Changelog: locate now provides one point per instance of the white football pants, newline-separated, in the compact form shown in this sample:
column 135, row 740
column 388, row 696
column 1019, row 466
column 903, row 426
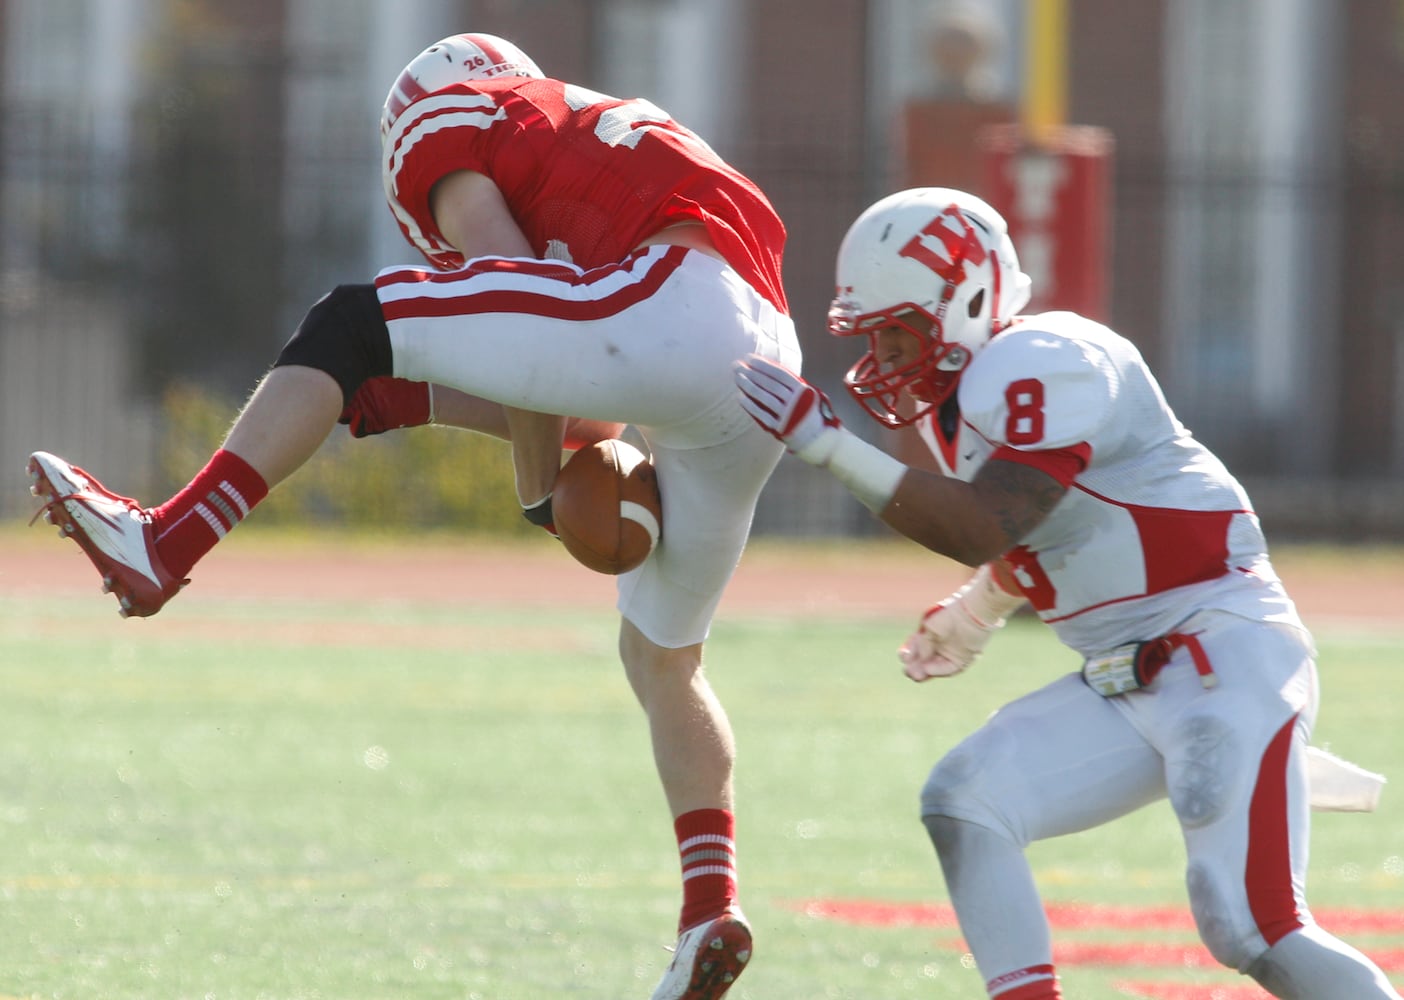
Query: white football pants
column 1231, row 761
column 649, row 342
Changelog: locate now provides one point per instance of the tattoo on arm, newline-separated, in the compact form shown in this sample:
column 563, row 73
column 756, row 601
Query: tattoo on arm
column 1018, row 497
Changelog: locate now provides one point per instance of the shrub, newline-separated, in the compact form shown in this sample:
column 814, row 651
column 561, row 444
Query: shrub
column 433, row 477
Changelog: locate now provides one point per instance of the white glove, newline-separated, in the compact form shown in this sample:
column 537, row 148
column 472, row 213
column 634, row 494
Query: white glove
column 953, row 633
column 802, row 418
column 789, row 408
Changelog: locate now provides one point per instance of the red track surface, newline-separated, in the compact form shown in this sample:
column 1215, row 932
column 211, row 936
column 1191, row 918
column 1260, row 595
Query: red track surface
column 826, row 579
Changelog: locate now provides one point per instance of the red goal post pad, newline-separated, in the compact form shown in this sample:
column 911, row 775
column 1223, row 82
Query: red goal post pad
column 1054, row 188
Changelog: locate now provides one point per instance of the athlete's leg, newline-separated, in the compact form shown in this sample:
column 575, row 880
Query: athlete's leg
column 1056, row 761
column 691, row 737
column 649, row 343
column 709, row 495
column 1236, row 771
column 341, row 342
column 1311, row 964
column 996, row 901
column 143, row 554
column 285, row 421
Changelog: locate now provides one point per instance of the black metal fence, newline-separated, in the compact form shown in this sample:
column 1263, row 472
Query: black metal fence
column 174, row 239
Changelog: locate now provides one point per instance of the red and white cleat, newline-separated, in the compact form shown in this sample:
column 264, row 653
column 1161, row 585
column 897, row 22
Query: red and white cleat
column 707, row 960
column 113, row 530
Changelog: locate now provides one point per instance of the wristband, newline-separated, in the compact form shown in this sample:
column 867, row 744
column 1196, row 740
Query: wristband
column 988, row 602
column 539, row 513
column 871, row 474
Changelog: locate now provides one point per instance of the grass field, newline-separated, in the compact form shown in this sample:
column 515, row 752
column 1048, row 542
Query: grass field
column 296, row 796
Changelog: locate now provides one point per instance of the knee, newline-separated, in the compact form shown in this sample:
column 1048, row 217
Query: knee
column 945, row 833
column 960, row 788
column 656, row 671
column 343, row 334
column 949, row 785
column 1227, row 931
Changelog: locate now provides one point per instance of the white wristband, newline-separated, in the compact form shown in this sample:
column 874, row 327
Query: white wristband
column 871, row 474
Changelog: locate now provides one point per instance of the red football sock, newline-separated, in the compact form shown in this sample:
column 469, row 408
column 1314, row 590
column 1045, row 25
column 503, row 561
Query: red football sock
column 1037, row 982
column 193, row 521
column 708, row 849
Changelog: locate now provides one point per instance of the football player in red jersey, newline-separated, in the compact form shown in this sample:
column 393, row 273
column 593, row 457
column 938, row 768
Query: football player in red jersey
column 593, row 258
column 1067, row 480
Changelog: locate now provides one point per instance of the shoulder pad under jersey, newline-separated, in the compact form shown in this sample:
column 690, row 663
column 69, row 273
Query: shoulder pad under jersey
column 1038, row 385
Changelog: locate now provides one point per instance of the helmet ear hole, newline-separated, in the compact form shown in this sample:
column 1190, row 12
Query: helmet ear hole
column 977, row 303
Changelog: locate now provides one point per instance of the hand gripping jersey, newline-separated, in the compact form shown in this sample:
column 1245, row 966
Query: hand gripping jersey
column 1153, row 527
column 587, row 177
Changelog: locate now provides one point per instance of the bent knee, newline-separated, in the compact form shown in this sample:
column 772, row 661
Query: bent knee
column 951, row 785
column 961, row 787
column 344, row 334
column 1224, row 920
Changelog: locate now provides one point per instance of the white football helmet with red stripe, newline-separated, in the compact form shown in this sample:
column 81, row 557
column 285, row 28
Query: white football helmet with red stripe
column 938, row 264
column 456, row 59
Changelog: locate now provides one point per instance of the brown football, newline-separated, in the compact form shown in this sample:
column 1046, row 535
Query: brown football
column 606, row 506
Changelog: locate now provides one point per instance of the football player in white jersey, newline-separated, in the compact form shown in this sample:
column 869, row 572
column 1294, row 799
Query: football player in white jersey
column 1069, row 483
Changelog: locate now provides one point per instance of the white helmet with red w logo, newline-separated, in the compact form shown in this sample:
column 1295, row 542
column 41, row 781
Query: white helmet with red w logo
column 456, row 59
column 938, row 264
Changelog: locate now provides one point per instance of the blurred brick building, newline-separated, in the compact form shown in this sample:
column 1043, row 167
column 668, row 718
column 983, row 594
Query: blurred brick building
column 179, row 178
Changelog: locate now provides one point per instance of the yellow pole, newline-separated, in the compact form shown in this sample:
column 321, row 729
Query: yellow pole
column 1045, row 104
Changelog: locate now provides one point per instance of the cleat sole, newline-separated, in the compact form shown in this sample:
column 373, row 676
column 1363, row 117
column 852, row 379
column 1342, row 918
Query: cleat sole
column 707, row 969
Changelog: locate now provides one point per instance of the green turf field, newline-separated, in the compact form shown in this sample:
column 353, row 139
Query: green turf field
column 268, row 801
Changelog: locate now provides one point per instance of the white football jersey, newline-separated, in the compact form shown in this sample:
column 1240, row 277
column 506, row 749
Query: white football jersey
column 1152, row 530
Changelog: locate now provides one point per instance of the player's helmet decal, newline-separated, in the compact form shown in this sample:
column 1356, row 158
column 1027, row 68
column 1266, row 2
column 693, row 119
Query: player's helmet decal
column 937, row 264
column 456, row 59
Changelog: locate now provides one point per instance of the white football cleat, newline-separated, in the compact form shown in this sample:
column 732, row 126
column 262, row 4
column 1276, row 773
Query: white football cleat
column 707, row 959
column 114, row 531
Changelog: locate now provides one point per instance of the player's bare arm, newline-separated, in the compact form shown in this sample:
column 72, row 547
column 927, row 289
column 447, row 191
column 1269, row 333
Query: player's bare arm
column 454, row 408
column 473, row 216
column 971, row 522
column 977, row 521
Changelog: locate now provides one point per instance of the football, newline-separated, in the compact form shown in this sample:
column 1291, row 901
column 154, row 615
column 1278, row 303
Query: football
column 606, row 506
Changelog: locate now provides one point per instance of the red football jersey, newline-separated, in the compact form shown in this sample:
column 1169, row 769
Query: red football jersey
column 587, row 177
